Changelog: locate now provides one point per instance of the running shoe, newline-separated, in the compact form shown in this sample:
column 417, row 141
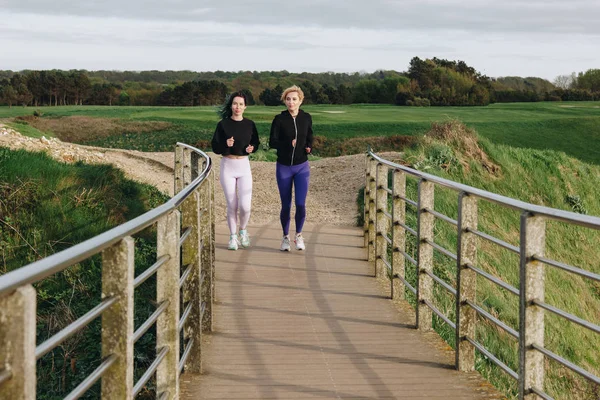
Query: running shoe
column 244, row 238
column 285, row 244
column 299, row 240
column 233, row 242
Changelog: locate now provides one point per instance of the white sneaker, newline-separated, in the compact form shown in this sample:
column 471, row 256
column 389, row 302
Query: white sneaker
column 299, row 240
column 285, row 244
column 244, row 238
column 233, row 242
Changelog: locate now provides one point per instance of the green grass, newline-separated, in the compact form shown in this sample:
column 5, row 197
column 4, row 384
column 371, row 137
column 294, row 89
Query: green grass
column 47, row 206
column 544, row 177
column 571, row 127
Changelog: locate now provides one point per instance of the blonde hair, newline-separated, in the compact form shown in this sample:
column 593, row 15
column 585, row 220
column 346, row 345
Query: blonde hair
column 293, row 88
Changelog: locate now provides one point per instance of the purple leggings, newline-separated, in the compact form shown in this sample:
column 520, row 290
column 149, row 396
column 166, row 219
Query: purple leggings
column 288, row 176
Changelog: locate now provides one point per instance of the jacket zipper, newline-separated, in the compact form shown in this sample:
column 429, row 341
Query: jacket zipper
column 296, row 138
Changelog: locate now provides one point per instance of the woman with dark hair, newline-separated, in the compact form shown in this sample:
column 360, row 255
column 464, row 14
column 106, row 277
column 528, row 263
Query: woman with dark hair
column 292, row 136
column 235, row 138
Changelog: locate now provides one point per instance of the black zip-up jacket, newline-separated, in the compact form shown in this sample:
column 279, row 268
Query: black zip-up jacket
column 243, row 132
column 284, row 129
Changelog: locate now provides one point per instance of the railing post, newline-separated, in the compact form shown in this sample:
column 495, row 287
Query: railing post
column 382, row 221
column 206, row 255
column 531, row 317
column 399, row 234
column 211, row 207
column 372, row 219
column 466, row 317
column 366, row 200
column 425, row 255
column 167, row 289
column 117, row 321
column 17, row 343
column 192, row 293
column 178, row 169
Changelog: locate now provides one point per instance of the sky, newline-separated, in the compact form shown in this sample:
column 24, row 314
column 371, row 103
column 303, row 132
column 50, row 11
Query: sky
column 542, row 38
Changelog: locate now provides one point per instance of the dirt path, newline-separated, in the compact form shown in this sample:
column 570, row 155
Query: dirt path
column 331, row 199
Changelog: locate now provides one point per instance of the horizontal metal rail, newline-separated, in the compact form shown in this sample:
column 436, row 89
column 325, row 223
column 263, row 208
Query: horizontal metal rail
column 187, row 271
column 186, row 353
column 150, row 321
column 139, row 385
column 560, row 215
column 439, row 314
column 492, row 278
column 492, row 239
column 405, row 282
column 492, row 357
column 406, row 228
column 568, row 364
column 92, row 378
column 573, row 318
column 441, row 249
column 185, row 235
column 543, row 395
column 386, row 263
column 163, row 396
column 569, row 268
column 441, row 216
column 202, row 309
column 387, row 214
column 5, row 375
column 57, row 262
column 493, row 319
column 407, row 256
column 387, row 190
column 150, row 271
column 439, row 280
column 387, row 239
column 184, row 317
column 73, row 327
column 408, row 201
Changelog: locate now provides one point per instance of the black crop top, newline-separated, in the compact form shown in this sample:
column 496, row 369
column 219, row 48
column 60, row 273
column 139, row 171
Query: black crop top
column 244, row 133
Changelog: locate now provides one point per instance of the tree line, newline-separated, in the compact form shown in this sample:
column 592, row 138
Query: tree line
column 427, row 82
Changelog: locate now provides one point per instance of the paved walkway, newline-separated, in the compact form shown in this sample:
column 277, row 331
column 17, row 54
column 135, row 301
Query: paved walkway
column 316, row 325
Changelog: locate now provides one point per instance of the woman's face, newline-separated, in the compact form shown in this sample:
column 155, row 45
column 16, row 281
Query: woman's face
column 292, row 102
column 238, row 106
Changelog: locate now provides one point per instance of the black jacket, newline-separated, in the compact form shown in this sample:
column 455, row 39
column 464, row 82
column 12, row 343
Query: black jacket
column 284, row 129
column 243, row 132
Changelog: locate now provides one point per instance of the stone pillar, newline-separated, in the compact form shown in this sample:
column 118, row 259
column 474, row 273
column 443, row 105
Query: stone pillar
column 466, row 317
column 531, row 318
column 167, row 289
column 382, row 221
column 425, row 257
column 372, row 219
column 117, row 321
column 17, row 343
column 399, row 234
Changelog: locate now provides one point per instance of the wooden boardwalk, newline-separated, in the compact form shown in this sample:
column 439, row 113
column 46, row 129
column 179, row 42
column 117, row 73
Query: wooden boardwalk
column 316, row 325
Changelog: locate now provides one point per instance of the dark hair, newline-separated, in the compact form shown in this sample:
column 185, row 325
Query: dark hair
column 224, row 110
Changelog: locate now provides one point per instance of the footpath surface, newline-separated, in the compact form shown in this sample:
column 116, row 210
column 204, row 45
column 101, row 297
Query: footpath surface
column 315, row 324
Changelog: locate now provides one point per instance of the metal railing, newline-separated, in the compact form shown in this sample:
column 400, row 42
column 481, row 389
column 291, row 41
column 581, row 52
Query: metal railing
column 192, row 207
column 386, row 230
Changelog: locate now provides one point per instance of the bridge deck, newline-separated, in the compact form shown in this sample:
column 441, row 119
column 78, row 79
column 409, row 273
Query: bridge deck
column 316, row 324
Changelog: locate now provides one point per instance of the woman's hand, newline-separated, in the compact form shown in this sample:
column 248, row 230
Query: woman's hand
column 249, row 149
column 230, row 142
column 293, row 142
column 308, row 149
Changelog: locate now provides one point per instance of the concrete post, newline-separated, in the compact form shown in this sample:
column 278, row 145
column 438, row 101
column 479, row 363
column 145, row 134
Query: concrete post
column 190, row 210
column 366, row 199
column 17, row 343
column 398, row 234
column 382, row 221
column 117, row 321
column 425, row 256
column 178, row 169
column 167, row 289
column 466, row 317
column 372, row 191
column 531, row 317
column 207, row 265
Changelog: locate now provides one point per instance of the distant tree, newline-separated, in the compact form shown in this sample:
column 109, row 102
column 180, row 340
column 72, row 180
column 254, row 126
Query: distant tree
column 8, row 95
column 563, row 81
column 589, row 80
column 271, row 97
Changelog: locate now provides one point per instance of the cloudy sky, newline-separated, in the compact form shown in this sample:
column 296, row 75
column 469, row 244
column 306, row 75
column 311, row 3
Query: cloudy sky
column 543, row 38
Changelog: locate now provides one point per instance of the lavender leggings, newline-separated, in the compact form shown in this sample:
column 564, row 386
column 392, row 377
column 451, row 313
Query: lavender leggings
column 297, row 176
column 236, row 174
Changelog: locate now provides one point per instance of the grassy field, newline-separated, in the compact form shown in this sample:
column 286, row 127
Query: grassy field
column 571, row 127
